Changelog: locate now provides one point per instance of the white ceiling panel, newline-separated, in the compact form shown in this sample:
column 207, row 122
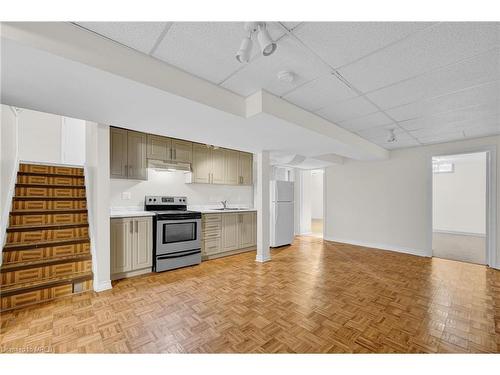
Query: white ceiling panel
column 471, row 72
column 432, row 48
column 262, row 72
column 291, row 25
column 141, row 36
column 455, row 135
column 373, row 120
column 484, row 94
column 380, row 136
column 320, row 93
column 340, row 43
column 475, row 118
column 347, row 109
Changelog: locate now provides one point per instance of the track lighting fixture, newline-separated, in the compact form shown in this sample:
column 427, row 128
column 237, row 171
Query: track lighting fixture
column 392, row 137
column 266, row 44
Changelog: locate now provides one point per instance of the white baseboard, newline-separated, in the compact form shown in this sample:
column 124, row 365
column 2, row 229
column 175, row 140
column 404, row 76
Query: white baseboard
column 398, row 249
column 102, row 286
column 262, row 259
column 457, row 233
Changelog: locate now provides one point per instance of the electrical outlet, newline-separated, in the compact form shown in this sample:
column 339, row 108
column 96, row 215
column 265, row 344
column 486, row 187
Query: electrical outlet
column 126, row 196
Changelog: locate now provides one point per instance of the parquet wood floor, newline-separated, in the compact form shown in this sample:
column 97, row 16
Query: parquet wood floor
column 313, row 297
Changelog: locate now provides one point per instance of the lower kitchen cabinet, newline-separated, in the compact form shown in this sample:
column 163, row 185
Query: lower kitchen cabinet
column 131, row 246
column 228, row 233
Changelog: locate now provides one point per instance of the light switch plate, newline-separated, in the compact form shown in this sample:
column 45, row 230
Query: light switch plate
column 126, row 195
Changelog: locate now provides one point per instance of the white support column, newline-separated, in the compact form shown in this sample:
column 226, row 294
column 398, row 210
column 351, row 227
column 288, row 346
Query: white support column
column 263, row 206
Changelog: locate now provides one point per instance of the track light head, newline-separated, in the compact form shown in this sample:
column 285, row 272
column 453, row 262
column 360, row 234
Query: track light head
column 243, row 54
column 391, row 137
column 267, row 45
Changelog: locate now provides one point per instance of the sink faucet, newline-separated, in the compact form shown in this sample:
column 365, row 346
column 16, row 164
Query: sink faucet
column 224, row 204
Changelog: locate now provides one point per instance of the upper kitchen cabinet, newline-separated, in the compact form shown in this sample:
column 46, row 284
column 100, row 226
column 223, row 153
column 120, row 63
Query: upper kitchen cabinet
column 158, row 148
column 127, row 154
column 245, row 167
column 218, row 162
column 231, row 167
column 182, row 151
column 202, row 164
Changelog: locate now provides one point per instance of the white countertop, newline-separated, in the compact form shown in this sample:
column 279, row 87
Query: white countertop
column 214, row 211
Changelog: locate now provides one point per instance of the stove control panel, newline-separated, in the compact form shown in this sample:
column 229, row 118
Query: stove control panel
column 165, row 201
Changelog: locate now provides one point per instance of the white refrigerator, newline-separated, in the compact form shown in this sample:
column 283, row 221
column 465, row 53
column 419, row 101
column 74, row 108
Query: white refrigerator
column 282, row 228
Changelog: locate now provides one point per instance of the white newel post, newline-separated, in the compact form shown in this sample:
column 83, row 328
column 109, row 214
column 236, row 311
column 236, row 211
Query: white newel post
column 263, row 207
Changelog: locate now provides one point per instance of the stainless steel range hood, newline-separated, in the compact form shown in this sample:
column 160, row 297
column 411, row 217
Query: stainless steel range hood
column 170, row 166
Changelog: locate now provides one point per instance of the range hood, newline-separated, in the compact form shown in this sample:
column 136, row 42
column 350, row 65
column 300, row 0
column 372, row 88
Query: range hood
column 171, row 166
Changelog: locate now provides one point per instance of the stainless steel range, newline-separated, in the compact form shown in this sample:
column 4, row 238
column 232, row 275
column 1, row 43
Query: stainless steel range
column 176, row 233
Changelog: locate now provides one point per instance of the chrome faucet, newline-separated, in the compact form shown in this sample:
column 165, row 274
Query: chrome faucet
column 224, row 204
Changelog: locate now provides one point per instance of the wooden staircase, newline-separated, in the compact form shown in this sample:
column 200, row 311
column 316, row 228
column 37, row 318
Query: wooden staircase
column 47, row 251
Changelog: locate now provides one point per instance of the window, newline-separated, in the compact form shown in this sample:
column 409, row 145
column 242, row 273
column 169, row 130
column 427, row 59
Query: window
column 442, row 167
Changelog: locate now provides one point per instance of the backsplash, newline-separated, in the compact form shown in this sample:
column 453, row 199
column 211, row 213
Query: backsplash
column 173, row 183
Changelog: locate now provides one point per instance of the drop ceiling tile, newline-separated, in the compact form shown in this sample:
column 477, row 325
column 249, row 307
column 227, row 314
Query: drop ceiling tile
column 432, row 48
column 262, row 72
column 470, row 118
column 340, row 43
column 320, row 93
column 291, row 25
column 206, row 49
column 371, row 121
column 347, row 109
column 141, row 36
column 478, row 70
column 477, row 95
column 380, row 136
column 451, row 136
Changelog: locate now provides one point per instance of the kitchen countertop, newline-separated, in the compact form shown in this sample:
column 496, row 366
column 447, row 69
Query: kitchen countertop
column 214, row 211
column 117, row 212
column 127, row 212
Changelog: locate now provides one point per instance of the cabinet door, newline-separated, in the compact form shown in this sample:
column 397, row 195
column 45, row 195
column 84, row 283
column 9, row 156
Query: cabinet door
column 158, row 148
column 202, row 164
column 245, row 168
column 137, row 164
column 121, row 245
column 182, row 151
column 246, row 222
column 218, row 156
column 211, row 246
column 142, row 252
column 229, row 232
column 118, row 153
column 231, row 176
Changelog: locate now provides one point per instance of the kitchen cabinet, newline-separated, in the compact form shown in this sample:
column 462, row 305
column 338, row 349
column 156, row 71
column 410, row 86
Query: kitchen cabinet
column 182, row 151
column 230, row 231
column 245, row 167
column 131, row 246
column 231, row 167
column 218, row 163
column 202, row 164
column 227, row 233
column 158, row 148
column 127, row 154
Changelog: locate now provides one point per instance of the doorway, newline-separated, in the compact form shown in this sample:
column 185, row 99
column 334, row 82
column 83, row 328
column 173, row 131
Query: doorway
column 311, row 202
column 460, row 207
column 317, row 223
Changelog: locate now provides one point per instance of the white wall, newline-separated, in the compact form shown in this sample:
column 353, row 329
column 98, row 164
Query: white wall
column 49, row 138
column 8, row 164
column 317, row 194
column 459, row 198
column 173, row 183
column 305, row 202
column 387, row 203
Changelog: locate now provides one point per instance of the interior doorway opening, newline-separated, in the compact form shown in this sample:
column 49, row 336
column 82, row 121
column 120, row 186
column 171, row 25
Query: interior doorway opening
column 317, row 214
column 460, row 207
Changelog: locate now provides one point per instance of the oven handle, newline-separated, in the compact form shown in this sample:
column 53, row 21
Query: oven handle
column 179, row 221
column 178, row 255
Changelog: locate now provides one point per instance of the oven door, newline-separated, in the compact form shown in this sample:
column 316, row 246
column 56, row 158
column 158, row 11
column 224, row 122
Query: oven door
column 173, row 236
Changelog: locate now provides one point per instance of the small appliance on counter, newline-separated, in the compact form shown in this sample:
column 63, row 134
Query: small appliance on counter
column 176, row 233
column 282, row 228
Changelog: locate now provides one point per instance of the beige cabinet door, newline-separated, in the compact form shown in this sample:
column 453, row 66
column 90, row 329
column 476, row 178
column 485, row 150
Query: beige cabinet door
column 218, row 163
column 158, row 148
column 230, row 232
column 231, row 162
column 142, row 251
column 121, row 245
column 118, row 153
column 245, row 168
column 182, row 151
column 202, row 164
column 137, row 164
column 246, row 235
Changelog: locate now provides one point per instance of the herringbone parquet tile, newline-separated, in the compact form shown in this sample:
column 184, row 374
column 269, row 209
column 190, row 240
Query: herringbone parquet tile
column 313, row 297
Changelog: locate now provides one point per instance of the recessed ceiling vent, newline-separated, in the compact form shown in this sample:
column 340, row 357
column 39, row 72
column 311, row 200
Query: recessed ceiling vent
column 286, row 76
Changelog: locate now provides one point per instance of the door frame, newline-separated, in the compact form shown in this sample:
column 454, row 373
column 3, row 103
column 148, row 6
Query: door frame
column 491, row 198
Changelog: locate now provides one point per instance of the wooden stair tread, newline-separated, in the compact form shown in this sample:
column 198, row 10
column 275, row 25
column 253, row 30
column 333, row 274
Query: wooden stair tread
column 41, row 174
column 39, row 198
column 40, row 244
column 51, row 186
column 15, row 266
column 18, row 288
column 25, row 228
column 49, row 211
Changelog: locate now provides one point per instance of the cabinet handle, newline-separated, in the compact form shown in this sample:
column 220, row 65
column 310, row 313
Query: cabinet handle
column 130, row 170
column 132, row 226
column 175, row 154
column 136, row 226
column 171, row 154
